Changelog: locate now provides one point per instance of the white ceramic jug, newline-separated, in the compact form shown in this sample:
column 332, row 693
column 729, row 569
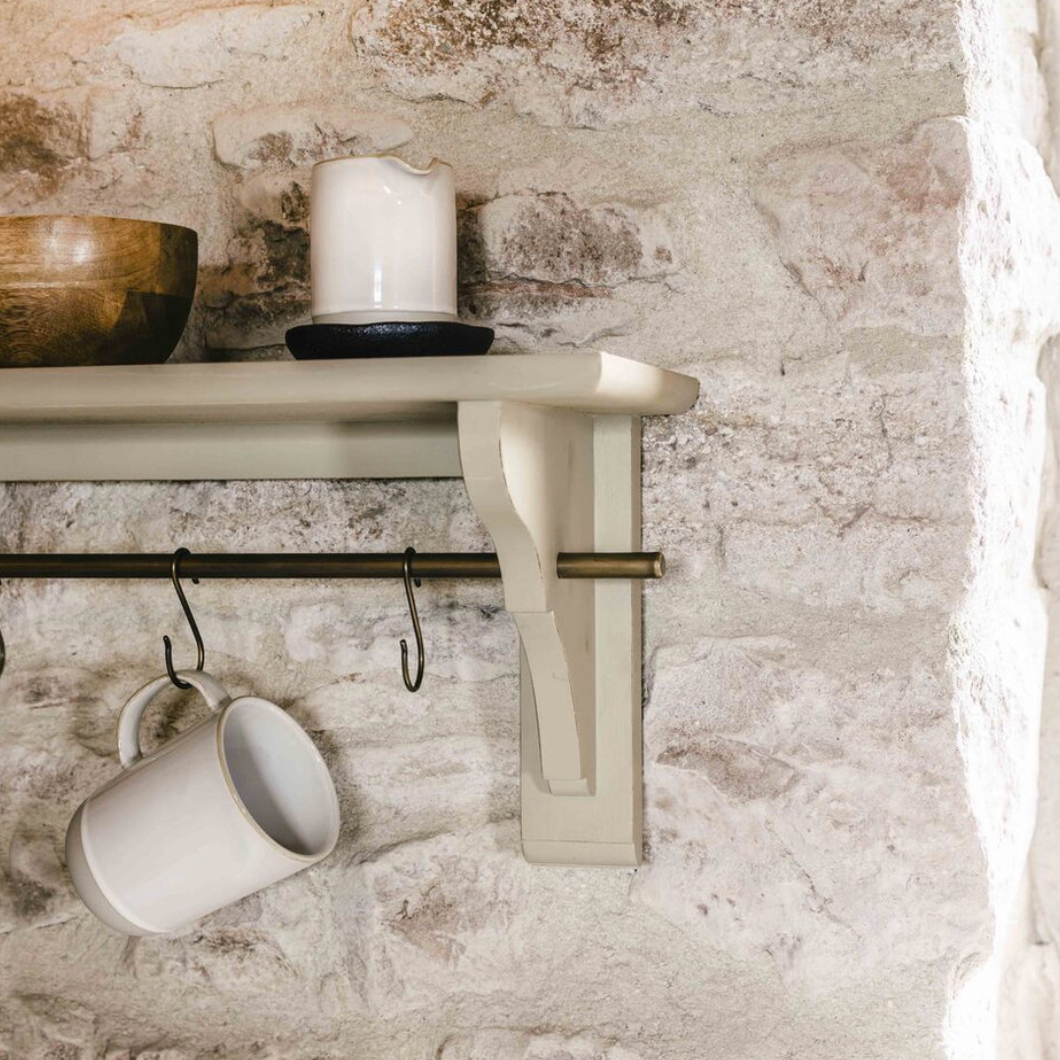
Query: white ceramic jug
column 240, row 801
column 382, row 241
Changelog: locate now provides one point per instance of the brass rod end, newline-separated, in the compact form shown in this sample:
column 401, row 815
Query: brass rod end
column 631, row 565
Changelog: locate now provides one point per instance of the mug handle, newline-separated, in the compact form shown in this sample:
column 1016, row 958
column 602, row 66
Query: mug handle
column 129, row 752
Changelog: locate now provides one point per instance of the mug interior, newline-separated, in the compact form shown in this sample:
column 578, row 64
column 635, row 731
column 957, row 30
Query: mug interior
column 280, row 778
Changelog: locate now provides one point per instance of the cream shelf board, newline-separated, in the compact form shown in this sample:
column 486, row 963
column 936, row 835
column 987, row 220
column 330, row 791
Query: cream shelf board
column 427, row 388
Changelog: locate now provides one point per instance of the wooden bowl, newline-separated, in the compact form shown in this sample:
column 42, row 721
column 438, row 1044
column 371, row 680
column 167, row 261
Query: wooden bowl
column 93, row 290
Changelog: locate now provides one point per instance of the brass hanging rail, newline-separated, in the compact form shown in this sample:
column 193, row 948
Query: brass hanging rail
column 632, row 565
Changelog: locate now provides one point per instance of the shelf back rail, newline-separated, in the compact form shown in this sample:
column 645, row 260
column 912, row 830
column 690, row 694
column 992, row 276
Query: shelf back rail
column 322, row 565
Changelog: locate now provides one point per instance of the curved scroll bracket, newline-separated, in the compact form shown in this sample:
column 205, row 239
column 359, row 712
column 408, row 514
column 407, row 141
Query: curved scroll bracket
column 545, row 481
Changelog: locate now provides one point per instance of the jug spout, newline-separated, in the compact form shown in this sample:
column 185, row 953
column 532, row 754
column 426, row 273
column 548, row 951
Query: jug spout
column 435, row 166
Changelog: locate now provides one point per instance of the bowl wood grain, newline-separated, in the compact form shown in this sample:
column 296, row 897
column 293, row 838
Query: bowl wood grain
column 93, row 290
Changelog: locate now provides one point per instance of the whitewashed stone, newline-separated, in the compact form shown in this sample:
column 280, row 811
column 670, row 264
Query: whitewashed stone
column 236, row 961
column 764, row 770
column 530, row 1045
column 1000, row 655
column 303, row 135
column 1029, row 1011
column 871, row 231
column 204, row 47
column 594, row 66
column 281, row 198
column 422, row 789
column 49, row 1029
column 148, row 1054
column 34, row 881
column 39, row 135
column 871, row 565
column 549, row 238
column 111, row 124
column 840, row 666
column 546, row 263
column 1010, row 256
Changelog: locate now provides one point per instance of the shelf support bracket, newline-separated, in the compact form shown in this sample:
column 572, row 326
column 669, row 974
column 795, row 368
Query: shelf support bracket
column 544, row 481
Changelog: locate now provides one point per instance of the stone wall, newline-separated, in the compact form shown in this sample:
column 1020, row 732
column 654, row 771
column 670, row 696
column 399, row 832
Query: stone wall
column 836, row 215
column 1031, row 998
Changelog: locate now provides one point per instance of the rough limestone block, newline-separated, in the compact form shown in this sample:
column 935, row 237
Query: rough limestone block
column 39, row 136
column 530, row 1045
column 50, row 1029
column 277, row 196
column 549, row 238
column 1010, row 254
column 426, row 911
column 236, row 961
column 34, row 888
column 148, row 1054
column 594, row 65
column 549, row 263
column 764, row 781
column 1009, row 257
column 1030, row 1009
column 400, row 793
column 262, row 289
column 204, row 47
column 300, row 136
column 870, row 230
column 112, row 125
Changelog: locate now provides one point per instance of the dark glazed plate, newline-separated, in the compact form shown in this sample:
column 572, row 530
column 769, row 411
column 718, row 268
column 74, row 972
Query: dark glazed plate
column 432, row 338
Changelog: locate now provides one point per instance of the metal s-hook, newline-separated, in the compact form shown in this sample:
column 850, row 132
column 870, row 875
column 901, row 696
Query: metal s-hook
column 175, row 575
column 412, row 686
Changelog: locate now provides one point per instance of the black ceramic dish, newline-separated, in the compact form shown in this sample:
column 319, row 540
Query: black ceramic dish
column 429, row 338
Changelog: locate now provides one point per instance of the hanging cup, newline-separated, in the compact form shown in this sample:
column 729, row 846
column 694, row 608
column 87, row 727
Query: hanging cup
column 240, row 801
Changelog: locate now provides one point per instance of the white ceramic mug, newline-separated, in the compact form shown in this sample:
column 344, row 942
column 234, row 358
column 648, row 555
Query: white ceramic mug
column 382, row 241
column 239, row 801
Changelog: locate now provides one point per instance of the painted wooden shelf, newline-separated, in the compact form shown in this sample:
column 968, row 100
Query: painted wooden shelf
column 549, row 450
column 395, row 388
column 391, row 418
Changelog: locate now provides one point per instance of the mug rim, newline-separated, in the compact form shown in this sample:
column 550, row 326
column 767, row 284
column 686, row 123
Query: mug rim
column 301, row 735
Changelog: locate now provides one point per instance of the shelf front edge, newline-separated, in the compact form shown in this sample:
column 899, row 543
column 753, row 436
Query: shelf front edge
column 338, row 391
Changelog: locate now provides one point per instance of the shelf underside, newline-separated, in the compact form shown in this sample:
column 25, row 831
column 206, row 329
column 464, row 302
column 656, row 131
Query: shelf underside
column 192, row 452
